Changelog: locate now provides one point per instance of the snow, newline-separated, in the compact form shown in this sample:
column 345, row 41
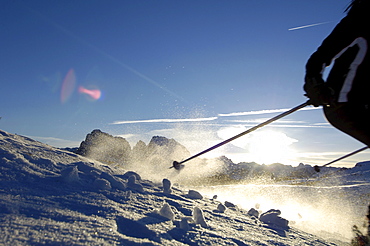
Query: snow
column 50, row 196
column 272, row 217
column 167, row 186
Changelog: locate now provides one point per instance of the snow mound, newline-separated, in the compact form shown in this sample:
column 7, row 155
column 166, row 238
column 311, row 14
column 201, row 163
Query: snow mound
column 50, row 196
column 272, row 217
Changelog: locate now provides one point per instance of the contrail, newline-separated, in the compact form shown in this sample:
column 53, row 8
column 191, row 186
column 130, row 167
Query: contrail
column 311, row 25
column 163, row 120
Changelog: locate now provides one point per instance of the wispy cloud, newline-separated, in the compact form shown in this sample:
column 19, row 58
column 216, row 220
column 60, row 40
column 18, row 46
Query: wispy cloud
column 310, row 25
column 126, row 135
column 163, row 120
column 56, row 142
column 300, row 126
column 324, row 157
column 256, row 112
column 282, row 123
column 259, row 112
column 260, row 120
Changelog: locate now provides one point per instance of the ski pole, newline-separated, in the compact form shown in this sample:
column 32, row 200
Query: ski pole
column 178, row 166
column 317, row 168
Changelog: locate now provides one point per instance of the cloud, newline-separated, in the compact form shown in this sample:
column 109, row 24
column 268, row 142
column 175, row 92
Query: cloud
column 56, row 142
column 265, row 111
column 282, row 124
column 256, row 112
column 260, row 120
column 163, row 120
column 323, row 157
column 127, row 135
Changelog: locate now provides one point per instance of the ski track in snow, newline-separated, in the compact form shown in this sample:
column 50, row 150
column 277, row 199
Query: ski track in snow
column 53, row 197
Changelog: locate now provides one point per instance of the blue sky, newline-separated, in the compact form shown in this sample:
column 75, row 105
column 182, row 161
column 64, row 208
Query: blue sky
column 172, row 68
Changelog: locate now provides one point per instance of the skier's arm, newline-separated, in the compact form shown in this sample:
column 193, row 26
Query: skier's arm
column 354, row 25
column 341, row 37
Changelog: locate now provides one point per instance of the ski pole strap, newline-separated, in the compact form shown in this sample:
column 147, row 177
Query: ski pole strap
column 246, row 132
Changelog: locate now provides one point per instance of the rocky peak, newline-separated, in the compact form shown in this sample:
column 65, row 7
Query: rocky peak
column 105, row 147
column 166, row 148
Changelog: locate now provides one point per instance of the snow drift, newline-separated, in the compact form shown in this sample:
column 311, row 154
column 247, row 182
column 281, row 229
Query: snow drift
column 51, row 196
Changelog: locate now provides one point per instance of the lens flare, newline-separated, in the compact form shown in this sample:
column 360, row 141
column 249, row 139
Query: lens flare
column 94, row 94
column 68, row 86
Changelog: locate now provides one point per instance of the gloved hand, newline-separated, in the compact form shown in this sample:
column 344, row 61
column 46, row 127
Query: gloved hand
column 318, row 92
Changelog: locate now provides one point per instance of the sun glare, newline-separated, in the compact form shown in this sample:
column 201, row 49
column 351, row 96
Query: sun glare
column 263, row 147
column 269, row 147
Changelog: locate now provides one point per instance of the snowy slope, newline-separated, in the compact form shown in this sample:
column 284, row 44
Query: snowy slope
column 53, row 197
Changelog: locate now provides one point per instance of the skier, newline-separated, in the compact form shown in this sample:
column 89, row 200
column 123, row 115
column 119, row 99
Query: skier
column 345, row 95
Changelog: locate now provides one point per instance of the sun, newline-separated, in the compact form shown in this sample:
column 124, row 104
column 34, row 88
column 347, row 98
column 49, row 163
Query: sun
column 267, row 147
column 263, row 146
